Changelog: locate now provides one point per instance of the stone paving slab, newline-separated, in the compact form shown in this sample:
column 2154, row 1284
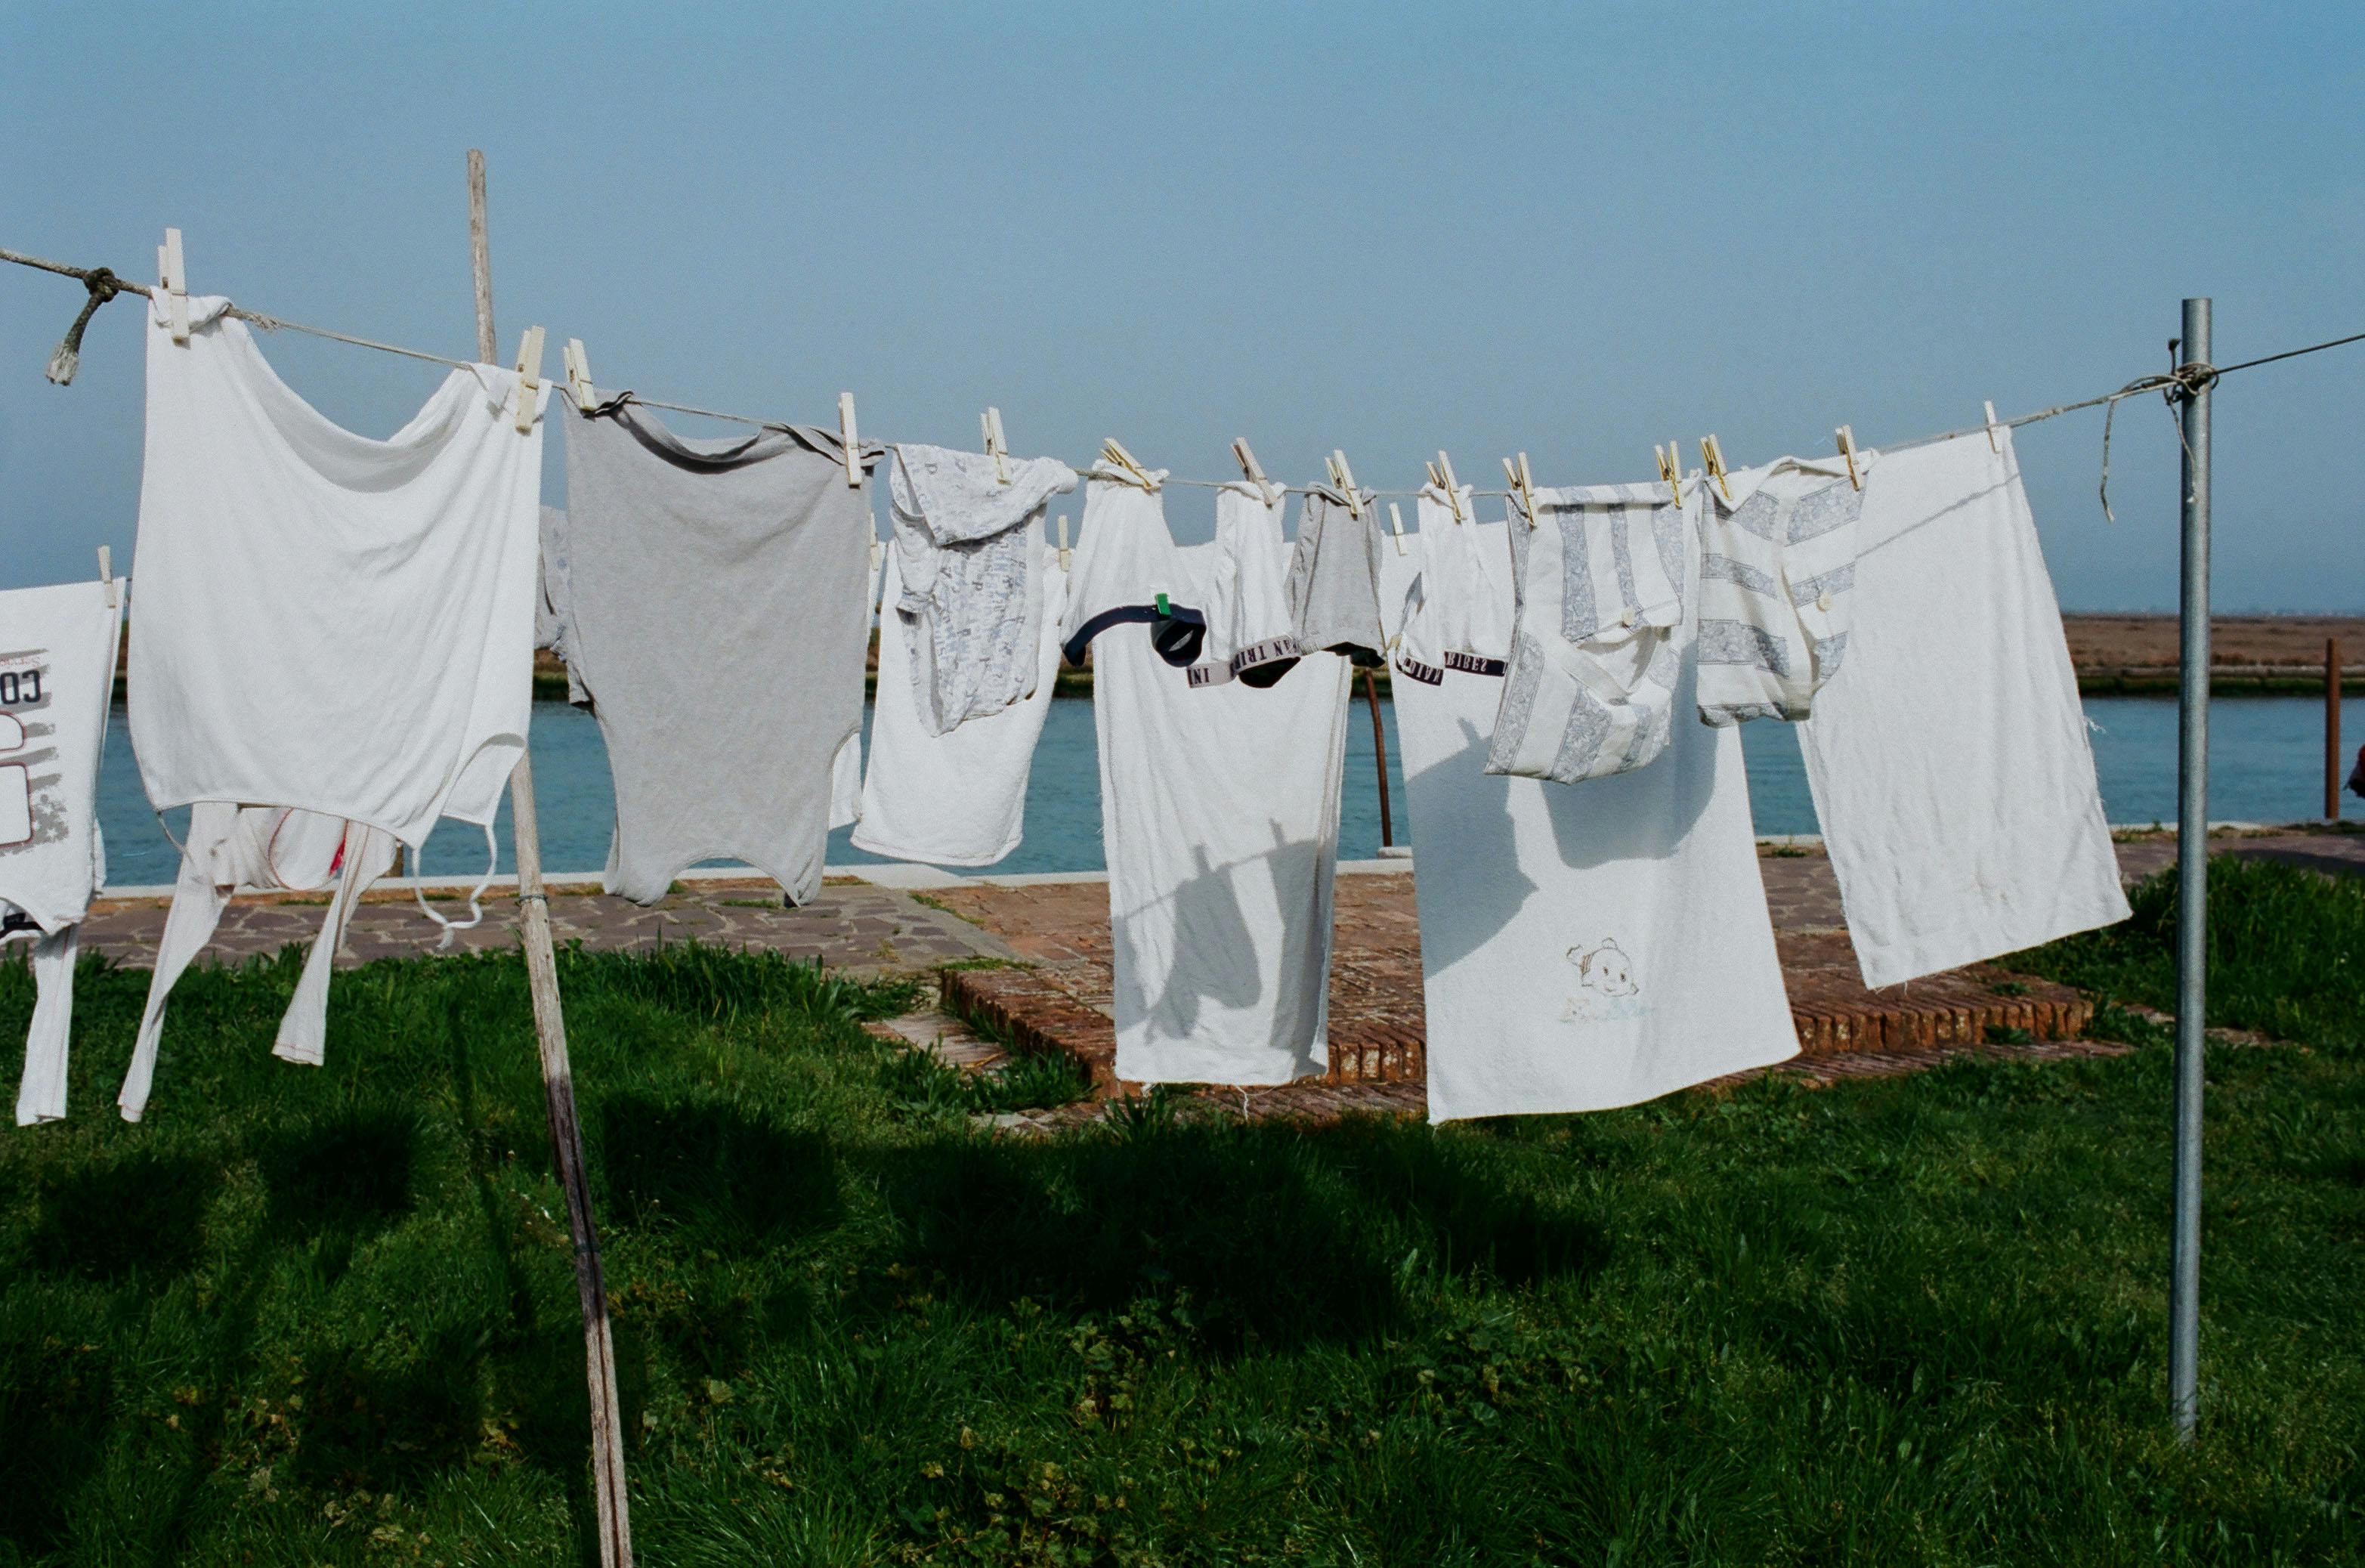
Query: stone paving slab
column 852, row 927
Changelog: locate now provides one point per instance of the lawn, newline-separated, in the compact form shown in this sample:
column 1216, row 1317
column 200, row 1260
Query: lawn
column 327, row 1315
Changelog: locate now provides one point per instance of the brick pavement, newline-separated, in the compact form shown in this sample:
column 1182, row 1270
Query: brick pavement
column 1377, row 1030
column 849, row 925
column 1058, row 931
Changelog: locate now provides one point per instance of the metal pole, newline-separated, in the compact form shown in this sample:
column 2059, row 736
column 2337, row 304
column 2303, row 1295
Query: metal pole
column 2332, row 729
column 1380, row 754
column 2192, row 892
column 550, row 1037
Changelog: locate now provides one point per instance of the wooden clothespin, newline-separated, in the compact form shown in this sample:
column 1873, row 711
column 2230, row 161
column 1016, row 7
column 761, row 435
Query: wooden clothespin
column 106, row 573
column 1346, row 483
column 1846, row 435
column 1450, row 485
column 1065, row 555
column 1254, row 470
column 1396, row 526
column 529, row 366
column 989, row 422
column 1523, row 484
column 1112, row 451
column 1992, row 426
column 577, row 365
column 172, row 276
column 851, row 441
column 1712, row 453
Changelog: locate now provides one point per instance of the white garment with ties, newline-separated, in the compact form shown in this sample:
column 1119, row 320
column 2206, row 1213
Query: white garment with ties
column 1590, row 687
column 971, row 602
column 58, row 648
column 1950, row 768
column 958, row 799
column 1219, row 809
column 327, row 623
column 252, row 849
column 1778, row 577
column 1587, row 948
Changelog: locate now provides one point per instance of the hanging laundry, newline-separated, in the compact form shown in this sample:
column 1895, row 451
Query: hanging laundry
column 1251, row 635
column 1131, row 573
column 958, row 799
column 1950, row 769
column 1776, row 580
column 325, row 622
column 1334, row 577
column 1219, row 811
column 1590, row 687
column 971, row 602
column 57, row 649
column 1580, row 949
column 231, row 850
column 846, row 768
column 1469, row 627
column 717, row 625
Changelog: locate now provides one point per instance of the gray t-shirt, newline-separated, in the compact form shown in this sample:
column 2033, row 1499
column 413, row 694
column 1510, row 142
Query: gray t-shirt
column 715, row 623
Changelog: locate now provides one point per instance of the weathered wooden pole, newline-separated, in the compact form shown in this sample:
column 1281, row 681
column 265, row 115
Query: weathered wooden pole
column 2331, row 728
column 550, row 1033
column 1380, row 754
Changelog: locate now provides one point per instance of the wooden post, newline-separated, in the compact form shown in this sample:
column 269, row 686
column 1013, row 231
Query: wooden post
column 1380, row 752
column 2332, row 729
column 550, row 1033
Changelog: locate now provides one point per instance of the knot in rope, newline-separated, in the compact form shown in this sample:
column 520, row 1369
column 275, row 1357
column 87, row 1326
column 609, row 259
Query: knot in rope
column 103, row 286
column 2189, row 380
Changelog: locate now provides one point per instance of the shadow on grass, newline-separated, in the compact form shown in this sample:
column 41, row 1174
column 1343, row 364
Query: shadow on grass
column 737, row 1182
column 1456, row 1197
column 143, row 1212
column 339, row 1179
column 1279, row 1238
column 53, row 1433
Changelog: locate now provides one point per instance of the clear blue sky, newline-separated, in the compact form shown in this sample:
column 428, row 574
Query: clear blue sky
column 1571, row 229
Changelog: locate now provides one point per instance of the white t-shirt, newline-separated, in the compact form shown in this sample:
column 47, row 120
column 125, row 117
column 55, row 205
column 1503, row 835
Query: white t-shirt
column 958, row 799
column 327, row 621
column 1948, row 756
column 57, row 678
column 1219, row 809
column 1581, row 947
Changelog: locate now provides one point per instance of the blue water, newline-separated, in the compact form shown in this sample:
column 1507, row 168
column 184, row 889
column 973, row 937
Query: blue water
column 2266, row 759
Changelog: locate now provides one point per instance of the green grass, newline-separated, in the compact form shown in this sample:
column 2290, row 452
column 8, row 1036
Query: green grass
column 921, row 1085
column 2286, row 952
column 327, row 1315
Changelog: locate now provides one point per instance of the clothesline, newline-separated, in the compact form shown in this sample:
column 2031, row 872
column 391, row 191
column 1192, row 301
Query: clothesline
column 2185, row 380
